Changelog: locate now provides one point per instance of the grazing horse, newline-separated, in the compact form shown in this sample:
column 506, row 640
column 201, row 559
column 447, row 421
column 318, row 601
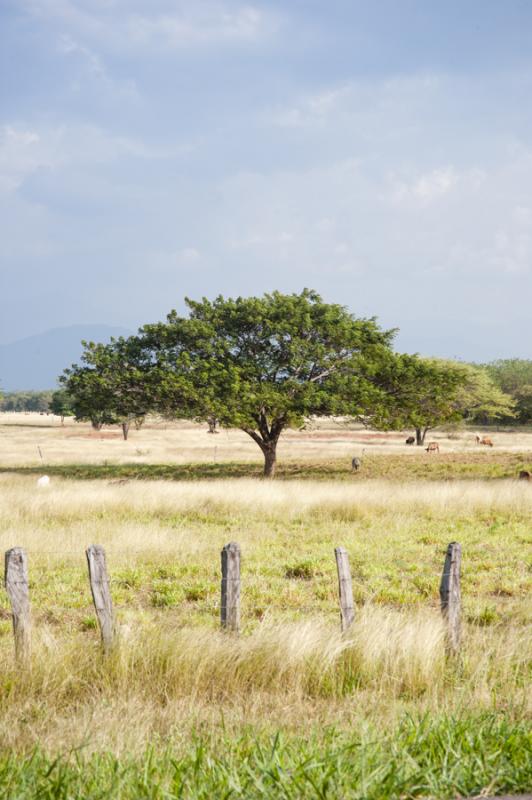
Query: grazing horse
column 433, row 447
column 410, row 440
column 525, row 475
column 487, row 441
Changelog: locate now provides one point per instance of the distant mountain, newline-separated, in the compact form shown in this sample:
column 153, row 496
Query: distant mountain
column 36, row 362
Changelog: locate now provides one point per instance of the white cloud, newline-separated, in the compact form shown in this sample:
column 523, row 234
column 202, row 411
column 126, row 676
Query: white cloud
column 310, row 110
column 196, row 25
column 95, row 69
column 512, row 252
column 189, row 255
column 23, row 151
column 121, row 24
column 428, row 187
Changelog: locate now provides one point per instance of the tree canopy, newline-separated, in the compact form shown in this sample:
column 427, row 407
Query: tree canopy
column 108, row 387
column 426, row 393
column 264, row 364
column 61, row 404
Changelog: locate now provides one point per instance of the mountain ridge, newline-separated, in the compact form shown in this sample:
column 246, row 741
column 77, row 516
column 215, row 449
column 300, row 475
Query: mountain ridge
column 35, row 362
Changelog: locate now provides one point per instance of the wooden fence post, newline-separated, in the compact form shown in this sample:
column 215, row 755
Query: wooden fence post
column 230, row 606
column 101, row 594
column 450, row 595
column 345, row 588
column 17, row 588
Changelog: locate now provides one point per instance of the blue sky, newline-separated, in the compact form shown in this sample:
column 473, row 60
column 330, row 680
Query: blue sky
column 380, row 152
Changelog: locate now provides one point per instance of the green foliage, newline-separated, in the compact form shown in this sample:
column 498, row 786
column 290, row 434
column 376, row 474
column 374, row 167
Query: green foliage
column 61, row 404
column 423, row 395
column 479, row 399
column 107, row 388
column 514, row 376
column 429, row 393
column 264, row 364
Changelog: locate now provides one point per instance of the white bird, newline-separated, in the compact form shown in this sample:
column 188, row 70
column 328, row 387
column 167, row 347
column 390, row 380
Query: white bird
column 44, row 480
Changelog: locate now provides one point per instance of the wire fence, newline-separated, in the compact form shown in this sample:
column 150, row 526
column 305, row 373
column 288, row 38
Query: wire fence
column 230, row 605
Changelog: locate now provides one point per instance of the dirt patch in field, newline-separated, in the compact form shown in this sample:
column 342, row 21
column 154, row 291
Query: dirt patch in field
column 95, row 435
column 334, row 436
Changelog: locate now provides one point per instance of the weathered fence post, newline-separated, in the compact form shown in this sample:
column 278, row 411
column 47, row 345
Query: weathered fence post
column 345, row 588
column 450, row 595
column 230, row 606
column 101, row 594
column 17, row 588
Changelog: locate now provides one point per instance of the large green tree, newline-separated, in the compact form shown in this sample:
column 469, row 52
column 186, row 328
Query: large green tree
column 263, row 364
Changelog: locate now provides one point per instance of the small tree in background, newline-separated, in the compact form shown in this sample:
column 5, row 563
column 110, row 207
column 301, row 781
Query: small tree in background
column 427, row 393
column 422, row 394
column 61, row 405
column 514, row 377
column 107, row 388
column 479, row 399
column 265, row 364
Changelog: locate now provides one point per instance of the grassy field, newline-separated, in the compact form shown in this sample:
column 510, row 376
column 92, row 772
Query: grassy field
column 291, row 708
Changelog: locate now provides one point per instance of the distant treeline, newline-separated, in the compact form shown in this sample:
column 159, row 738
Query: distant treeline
column 513, row 376
column 26, row 401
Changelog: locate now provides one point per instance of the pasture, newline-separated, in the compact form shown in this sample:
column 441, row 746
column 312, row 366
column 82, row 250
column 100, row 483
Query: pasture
column 290, row 708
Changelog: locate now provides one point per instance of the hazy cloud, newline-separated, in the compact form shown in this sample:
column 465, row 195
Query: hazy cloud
column 160, row 24
column 153, row 150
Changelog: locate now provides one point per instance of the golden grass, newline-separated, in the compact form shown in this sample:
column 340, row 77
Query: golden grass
column 175, row 673
column 163, row 541
column 21, row 497
column 161, row 681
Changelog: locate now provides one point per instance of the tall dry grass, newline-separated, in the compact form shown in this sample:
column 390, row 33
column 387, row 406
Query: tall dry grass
column 21, row 500
column 175, row 671
column 160, row 681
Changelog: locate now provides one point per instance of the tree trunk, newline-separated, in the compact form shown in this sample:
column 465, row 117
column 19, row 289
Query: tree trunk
column 270, row 459
column 267, row 437
column 125, row 430
column 96, row 424
column 420, row 436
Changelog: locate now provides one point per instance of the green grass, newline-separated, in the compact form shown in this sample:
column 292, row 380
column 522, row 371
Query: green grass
column 290, row 709
column 443, row 466
column 438, row 757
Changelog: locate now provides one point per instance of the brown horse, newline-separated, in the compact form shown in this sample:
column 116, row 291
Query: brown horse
column 433, row 447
